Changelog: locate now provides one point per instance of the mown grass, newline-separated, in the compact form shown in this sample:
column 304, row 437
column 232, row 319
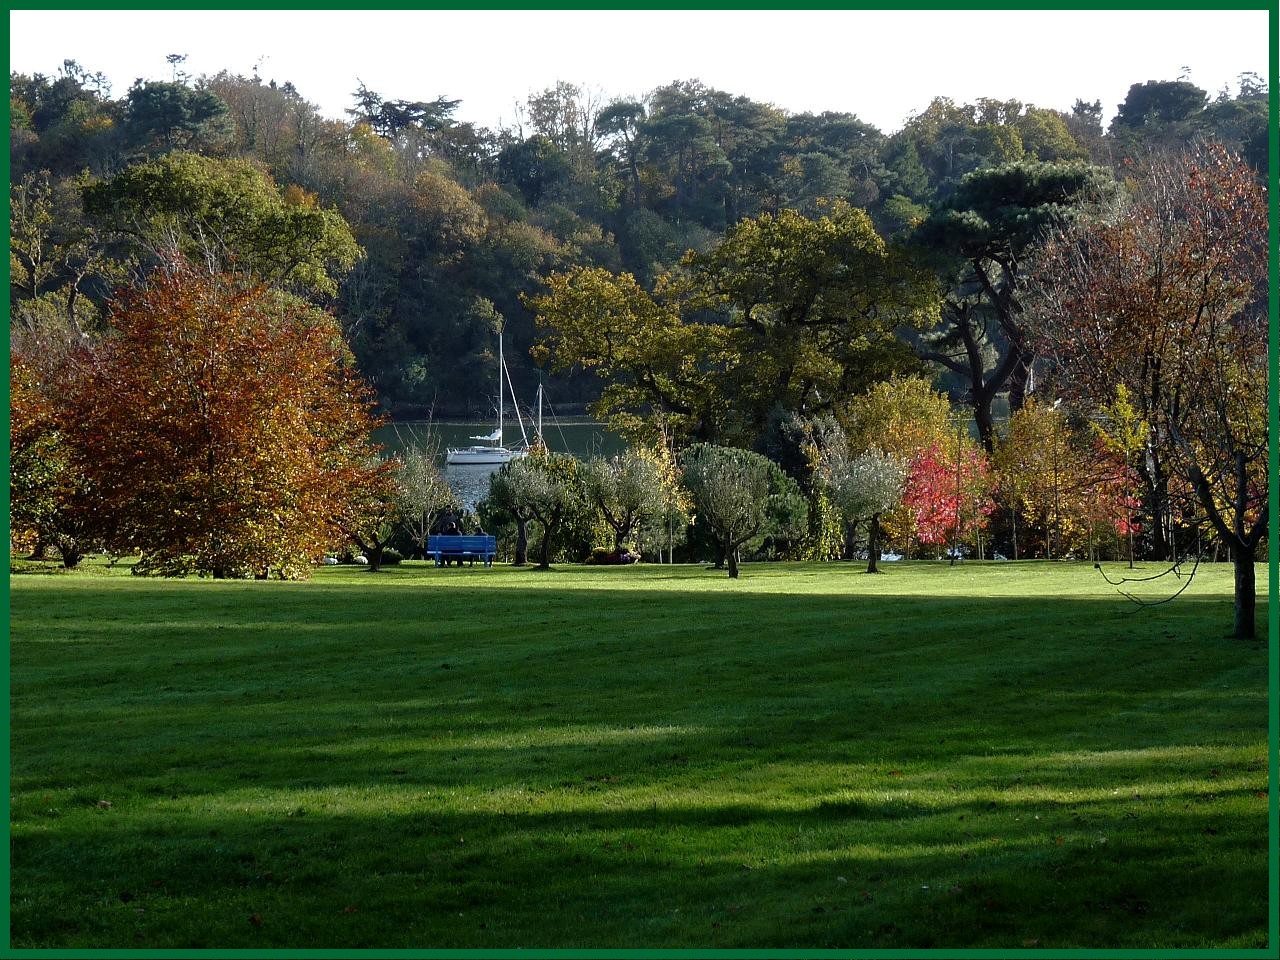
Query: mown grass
column 988, row 755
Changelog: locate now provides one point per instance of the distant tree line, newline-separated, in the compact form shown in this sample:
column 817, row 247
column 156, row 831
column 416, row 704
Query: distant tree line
column 795, row 315
column 445, row 217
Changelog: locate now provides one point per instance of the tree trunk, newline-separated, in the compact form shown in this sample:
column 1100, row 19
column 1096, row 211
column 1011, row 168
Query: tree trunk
column 522, row 542
column 1018, row 381
column 849, row 531
column 731, row 554
column 372, row 551
column 1246, row 593
column 71, row 554
column 544, row 548
column 1242, row 540
column 635, row 174
column 985, row 420
column 873, row 545
column 1153, row 476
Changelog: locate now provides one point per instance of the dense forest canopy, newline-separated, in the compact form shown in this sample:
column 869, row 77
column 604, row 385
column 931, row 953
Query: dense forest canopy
column 420, row 231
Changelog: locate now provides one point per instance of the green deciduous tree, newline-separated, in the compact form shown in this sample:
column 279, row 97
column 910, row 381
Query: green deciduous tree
column 785, row 309
column 423, row 491
column 652, row 361
column 227, row 215
column 56, row 260
column 742, row 496
column 50, row 502
column 814, row 303
column 543, row 486
column 863, row 487
column 628, row 489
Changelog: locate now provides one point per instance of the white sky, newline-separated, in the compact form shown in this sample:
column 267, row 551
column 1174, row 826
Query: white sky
column 882, row 66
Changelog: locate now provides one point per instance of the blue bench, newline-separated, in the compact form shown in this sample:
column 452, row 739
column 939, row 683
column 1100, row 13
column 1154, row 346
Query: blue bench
column 452, row 547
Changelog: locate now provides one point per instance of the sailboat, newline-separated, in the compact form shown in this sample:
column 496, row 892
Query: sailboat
column 493, row 452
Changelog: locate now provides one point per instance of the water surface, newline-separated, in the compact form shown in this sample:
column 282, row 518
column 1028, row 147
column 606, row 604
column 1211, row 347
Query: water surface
column 580, row 437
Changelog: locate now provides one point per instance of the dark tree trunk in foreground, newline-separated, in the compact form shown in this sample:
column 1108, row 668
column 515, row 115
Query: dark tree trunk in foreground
column 731, row 554
column 873, row 545
column 1242, row 539
column 550, row 525
column 1155, row 478
column 1246, row 595
column 1012, row 370
column 372, row 549
column 522, row 542
column 71, row 554
column 1019, row 380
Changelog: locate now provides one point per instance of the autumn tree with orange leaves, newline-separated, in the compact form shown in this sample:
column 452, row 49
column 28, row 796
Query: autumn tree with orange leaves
column 221, row 428
column 1167, row 296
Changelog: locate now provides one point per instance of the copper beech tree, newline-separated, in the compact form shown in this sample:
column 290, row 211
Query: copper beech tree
column 1168, row 298
column 221, row 428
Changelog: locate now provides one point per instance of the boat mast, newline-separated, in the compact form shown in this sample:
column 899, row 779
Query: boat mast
column 515, row 404
column 500, row 366
column 540, row 440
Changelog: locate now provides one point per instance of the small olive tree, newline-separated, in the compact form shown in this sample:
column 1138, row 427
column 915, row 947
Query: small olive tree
column 742, row 495
column 423, row 492
column 507, row 494
column 863, row 487
column 628, row 489
column 546, row 487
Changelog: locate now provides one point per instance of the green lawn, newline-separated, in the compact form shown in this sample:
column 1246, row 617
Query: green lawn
column 997, row 755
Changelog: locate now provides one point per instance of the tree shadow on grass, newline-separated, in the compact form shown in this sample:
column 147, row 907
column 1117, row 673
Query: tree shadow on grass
column 880, row 875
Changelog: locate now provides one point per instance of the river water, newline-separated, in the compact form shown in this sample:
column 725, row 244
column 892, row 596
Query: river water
column 582, row 438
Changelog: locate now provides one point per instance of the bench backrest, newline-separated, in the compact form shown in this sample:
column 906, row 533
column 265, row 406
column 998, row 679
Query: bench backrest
column 475, row 543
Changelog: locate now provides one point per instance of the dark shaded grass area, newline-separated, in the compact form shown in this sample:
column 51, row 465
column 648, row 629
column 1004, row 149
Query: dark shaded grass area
column 587, row 759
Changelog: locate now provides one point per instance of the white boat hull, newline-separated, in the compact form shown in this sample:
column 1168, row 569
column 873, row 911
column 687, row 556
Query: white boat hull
column 483, row 455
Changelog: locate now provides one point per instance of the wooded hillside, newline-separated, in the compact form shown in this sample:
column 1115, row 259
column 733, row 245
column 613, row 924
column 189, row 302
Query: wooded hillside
column 418, row 228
